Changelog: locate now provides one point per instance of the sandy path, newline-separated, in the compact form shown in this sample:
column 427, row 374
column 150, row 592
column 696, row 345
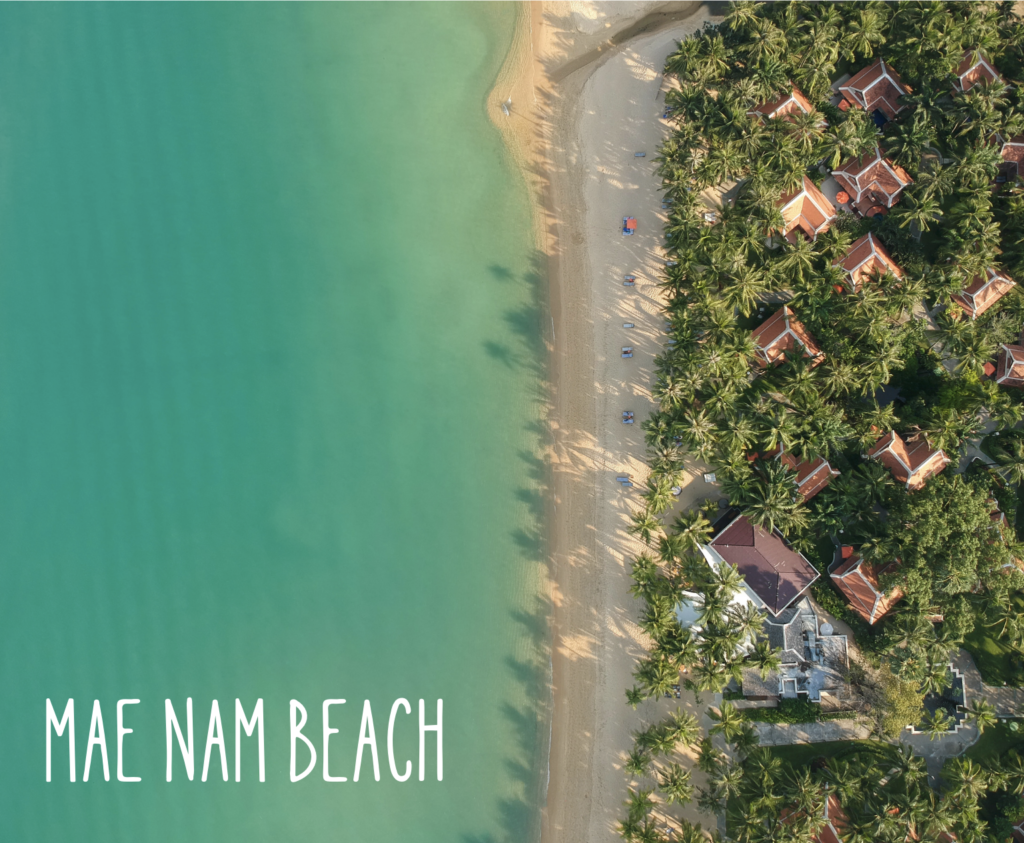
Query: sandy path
column 596, row 116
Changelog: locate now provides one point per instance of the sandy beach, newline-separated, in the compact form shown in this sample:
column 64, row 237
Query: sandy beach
column 587, row 95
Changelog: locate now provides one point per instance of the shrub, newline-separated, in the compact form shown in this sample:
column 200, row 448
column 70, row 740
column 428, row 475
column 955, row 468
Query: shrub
column 794, row 711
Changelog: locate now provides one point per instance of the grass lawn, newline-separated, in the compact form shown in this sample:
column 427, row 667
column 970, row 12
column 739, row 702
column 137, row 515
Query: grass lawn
column 992, row 655
column 802, row 754
column 997, row 740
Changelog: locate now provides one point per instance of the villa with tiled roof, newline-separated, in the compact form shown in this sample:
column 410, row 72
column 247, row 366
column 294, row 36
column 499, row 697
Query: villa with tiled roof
column 866, row 259
column 806, row 210
column 787, row 104
column 811, row 475
column 875, row 88
column 781, row 334
column 983, row 292
column 1012, row 153
column 858, row 581
column 1010, row 364
column 912, row 461
column 975, row 69
column 774, row 573
column 874, row 182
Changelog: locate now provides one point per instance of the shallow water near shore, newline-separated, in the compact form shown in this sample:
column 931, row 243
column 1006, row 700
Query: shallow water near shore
column 270, row 364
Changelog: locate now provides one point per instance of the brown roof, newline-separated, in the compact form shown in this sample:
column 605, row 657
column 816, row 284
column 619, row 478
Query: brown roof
column 866, row 258
column 776, row 573
column 811, row 475
column 872, row 179
column 911, row 462
column 858, row 581
column 983, row 292
column 787, row 104
column 975, row 69
column 835, row 817
column 806, row 209
column 877, row 86
column 1010, row 365
column 1012, row 152
column 781, row 333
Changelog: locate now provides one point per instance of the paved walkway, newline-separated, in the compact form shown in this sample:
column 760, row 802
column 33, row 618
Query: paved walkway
column 781, row 734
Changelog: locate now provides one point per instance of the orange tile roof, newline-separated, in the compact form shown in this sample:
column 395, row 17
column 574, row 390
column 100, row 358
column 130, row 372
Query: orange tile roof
column 1010, row 365
column 811, row 475
column 911, row 462
column 975, row 69
column 877, row 86
column 783, row 106
column 873, row 179
column 983, row 292
column 858, row 581
column 781, row 333
column 1012, row 153
column 806, row 209
column 866, row 258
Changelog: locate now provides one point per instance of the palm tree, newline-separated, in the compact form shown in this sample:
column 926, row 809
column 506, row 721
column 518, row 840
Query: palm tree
column 728, row 721
column 634, row 696
column 982, row 714
column 936, row 724
column 645, row 524
column 637, row 762
column 674, row 782
column 694, row 528
column 683, row 728
column 965, row 779
column 746, row 741
column 765, row 658
column 1011, row 460
column 746, row 620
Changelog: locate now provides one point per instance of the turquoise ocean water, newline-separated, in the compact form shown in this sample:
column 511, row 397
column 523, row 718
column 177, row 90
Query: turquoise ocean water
column 269, row 368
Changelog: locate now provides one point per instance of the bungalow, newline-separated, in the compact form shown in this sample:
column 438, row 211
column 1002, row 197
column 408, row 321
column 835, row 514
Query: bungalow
column 775, row 575
column 874, row 182
column 806, row 210
column 785, row 105
column 911, row 462
column 1012, row 153
column 858, row 582
column 811, row 475
column 866, row 259
column 975, row 69
column 781, row 333
column 983, row 292
column 835, row 822
column 875, row 88
column 1010, row 364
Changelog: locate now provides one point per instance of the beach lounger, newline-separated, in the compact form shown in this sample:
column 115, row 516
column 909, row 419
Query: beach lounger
column 628, row 421
column 627, row 416
column 628, row 225
column 671, row 263
column 639, row 154
column 710, row 478
column 629, row 281
column 627, row 351
column 628, row 325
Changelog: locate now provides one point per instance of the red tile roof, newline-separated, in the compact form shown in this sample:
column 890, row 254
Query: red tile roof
column 781, row 333
column 776, row 573
column 975, row 69
column 1012, row 152
column 785, row 105
column 858, row 581
column 811, row 475
column 872, row 179
column 911, row 462
column 877, row 86
column 867, row 258
column 983, row 292
column 806, row 209
column 1010, row 365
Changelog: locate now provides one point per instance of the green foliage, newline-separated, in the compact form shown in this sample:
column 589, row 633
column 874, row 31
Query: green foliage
column 794, row 711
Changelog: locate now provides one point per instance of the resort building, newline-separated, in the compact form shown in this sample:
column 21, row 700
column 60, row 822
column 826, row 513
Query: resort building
column 866, row 260
column 911, row 462
column 975, row 69
column 807, row 211
column 792, row 103
column 814, row 661
column 874, row 182
column 858, row 581
column 780, row 334
column 1010, row 365
column 875, row 88
column 775, row 575
column 1012, row 153
column 811, row 475
column 983, row 292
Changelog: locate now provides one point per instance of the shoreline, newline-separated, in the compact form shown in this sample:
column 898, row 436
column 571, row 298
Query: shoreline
column 551, row 74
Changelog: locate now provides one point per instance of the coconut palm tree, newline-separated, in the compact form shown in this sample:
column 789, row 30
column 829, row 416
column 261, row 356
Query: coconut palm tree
column 674, row 782
column 765, row 658
column 693, row 528
column 637, row 762
column 936, row 724
column 964, row 778
column 746, row 620
column 982, row 714
column 728, row 721
column 645, row 525
column 1010, row 458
